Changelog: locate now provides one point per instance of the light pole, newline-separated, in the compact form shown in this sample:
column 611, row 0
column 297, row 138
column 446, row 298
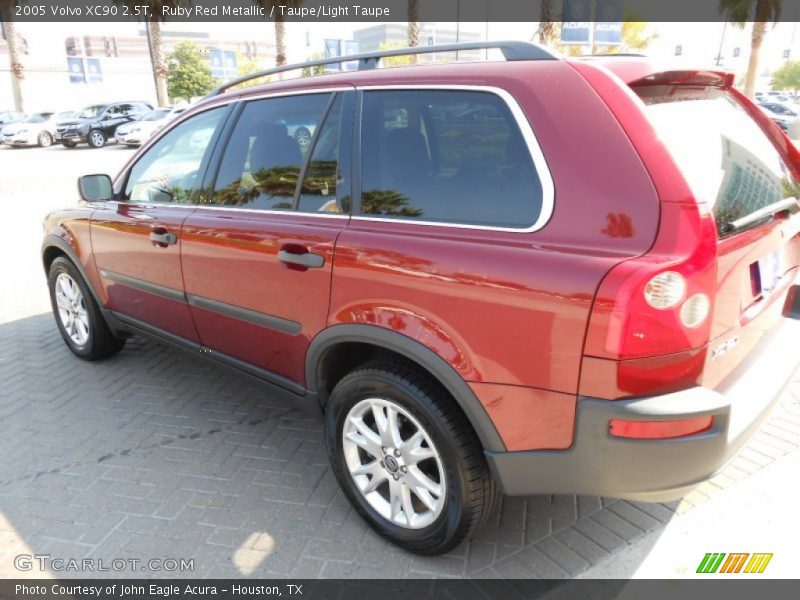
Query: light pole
column 721, row 42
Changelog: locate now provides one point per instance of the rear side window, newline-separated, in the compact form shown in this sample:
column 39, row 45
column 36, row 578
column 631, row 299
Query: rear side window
column 726, row 158
column 447, row 157
column 267, row 150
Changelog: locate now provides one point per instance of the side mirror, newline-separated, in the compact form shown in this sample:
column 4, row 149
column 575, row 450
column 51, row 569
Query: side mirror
column 95, row 188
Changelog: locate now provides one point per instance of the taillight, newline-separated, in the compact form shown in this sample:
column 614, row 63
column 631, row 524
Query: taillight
column 652, row 315
column 659, row 430
column 659, row 303
column 665, row 290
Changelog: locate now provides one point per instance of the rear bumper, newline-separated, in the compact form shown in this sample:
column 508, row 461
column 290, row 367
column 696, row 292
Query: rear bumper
column 658, row 470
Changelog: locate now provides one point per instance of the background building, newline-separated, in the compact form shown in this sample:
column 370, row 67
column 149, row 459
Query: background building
column 69, row 65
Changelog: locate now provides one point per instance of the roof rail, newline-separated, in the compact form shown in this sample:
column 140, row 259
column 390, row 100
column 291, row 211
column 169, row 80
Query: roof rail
column 512, row 51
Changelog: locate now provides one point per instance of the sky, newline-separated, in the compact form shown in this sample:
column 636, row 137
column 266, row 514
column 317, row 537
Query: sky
column 699, row 41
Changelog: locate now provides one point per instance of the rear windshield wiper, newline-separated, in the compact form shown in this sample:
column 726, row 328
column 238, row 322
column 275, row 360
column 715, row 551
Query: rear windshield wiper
column 762, row 213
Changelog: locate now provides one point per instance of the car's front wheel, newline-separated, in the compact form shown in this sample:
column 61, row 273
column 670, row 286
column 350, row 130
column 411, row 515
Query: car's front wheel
column 77, row 315
column 45, row 140
column 407, row 457
column 97, row 139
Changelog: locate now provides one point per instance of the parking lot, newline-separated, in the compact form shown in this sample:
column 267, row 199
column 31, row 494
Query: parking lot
column 156, row 454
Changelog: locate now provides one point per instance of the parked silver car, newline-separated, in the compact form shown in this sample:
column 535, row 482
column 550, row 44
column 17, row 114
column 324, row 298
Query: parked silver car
column 37, row 129
column 138, row 132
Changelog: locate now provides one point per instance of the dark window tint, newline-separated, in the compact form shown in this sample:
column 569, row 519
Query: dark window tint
column 266, row 152
column 446, row 156
column 321, row 190
column 169, row 172
column 726, row 158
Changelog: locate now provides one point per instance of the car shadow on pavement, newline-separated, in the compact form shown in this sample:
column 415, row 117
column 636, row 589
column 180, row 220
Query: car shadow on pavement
column 158, row 454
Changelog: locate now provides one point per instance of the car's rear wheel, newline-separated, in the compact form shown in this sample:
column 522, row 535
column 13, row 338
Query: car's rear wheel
column 45, row 140
column 407, row 457
column 97, row 139
column 77, row 315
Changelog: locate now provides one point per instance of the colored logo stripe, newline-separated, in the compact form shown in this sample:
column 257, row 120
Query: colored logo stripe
column 733, row 564
column 758, row 563
column 710, row 562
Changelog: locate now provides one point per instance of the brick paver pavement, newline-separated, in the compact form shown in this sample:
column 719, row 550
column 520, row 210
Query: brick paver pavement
column 158, row 454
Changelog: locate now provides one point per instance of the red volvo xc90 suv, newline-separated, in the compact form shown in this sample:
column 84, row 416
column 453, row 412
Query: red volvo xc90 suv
column 526, row 276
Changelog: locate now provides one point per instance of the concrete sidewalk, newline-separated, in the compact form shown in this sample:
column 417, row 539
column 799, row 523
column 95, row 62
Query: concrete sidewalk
column 758, row 514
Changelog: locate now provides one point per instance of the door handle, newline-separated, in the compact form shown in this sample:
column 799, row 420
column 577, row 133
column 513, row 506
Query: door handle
column 163, row 239
column 306, row 259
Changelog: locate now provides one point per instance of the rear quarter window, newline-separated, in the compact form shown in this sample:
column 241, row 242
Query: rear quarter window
column 447, row 156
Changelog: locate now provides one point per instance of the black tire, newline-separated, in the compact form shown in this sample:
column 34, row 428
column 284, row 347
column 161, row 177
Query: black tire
column 45, row 140
column 97, row 139
column 471, row 496
column 69, row 144
column 101, row 342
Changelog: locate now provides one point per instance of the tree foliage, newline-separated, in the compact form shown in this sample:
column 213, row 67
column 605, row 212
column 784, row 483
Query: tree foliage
column 395, row 61
column 189, row 74
column 787, row 77
column 760, row 12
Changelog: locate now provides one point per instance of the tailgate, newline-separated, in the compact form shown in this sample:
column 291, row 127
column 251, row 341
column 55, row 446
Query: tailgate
column 737, row 164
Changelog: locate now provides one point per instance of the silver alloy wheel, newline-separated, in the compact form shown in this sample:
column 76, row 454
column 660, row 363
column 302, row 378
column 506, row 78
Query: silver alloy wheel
column 394, row 463
column 72, row 309
column 45, row 139
column 97, row 139
column 303, row 136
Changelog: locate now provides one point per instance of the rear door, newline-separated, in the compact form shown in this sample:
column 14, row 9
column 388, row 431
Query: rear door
column 136, row 239
column 258, row 253
column 728, row 154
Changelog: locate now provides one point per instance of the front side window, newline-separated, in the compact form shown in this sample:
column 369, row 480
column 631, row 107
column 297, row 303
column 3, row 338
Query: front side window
column 727, row 160
column 92, row 112
column 446, row 156
column 266, row 152
column 169, row 172
column 38, row 117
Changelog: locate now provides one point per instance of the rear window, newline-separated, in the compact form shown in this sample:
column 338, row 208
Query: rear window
column 726, row 158
column 446, row 157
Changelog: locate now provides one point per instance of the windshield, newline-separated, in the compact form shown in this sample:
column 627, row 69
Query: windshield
column 155, row 115
column 90, row 112
column 726, row 158
column 38, row 117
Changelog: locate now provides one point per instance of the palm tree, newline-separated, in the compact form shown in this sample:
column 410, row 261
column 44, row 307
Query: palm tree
column 547, row 27
column 17, row 73
column 157, row 58
column 761, row 12
column 152, row 21
column 272, row 7
column 413, row 23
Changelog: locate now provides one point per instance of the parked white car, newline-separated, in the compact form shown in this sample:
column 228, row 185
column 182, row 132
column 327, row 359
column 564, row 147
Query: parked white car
column 37, row 129
column 138, row 132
